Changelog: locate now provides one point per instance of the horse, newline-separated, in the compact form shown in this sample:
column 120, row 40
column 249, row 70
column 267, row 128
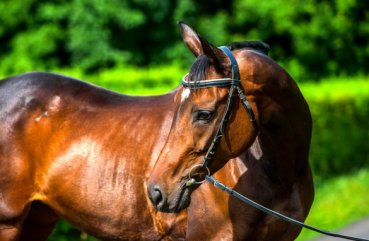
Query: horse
column 261, row 152
column 73, row 150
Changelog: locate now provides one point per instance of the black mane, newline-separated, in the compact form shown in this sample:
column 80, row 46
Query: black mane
column 254, row 45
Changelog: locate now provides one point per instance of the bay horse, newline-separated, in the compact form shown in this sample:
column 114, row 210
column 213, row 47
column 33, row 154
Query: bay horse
column 262, row 153
column 72, row 150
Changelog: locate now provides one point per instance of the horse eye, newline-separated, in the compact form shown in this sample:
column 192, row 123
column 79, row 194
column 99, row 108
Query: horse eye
column 204, row 115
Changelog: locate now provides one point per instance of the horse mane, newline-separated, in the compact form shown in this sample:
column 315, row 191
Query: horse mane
column 258, row 46
column 201, row 65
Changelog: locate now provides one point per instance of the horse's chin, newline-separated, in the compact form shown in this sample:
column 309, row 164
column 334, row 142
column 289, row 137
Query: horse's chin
column 180, row 200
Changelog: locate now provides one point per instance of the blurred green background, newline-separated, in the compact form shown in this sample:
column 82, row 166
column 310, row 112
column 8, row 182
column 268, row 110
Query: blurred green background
column 134, row 47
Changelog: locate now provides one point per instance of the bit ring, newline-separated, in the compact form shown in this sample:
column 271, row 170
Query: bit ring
column 192, row 180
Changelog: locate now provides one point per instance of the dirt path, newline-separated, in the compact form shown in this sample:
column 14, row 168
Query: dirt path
column 359, row 229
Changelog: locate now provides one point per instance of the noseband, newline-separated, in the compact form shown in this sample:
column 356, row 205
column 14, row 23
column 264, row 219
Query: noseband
column 235, row 86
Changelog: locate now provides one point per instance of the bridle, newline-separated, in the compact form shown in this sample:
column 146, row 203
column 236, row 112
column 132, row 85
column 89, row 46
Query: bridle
column 235, row 86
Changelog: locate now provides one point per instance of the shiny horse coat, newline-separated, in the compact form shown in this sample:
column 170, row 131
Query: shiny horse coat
column 72, row 150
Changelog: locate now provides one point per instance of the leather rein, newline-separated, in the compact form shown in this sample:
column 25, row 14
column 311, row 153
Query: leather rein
column 235, row 88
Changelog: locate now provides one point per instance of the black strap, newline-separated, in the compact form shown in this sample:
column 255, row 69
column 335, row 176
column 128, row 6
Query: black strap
column 220, row 132
column 236, row 75
column 235, row 70
column 274, row 213
column 247, row 106
column 209, row 83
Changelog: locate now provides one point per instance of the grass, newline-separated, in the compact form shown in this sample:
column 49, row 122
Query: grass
column 133, row 80
column 339, row 202
column 337, row 88
column 161, row 79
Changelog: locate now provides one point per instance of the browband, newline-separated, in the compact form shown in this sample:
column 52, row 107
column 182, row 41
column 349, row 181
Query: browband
column 235, row 80
column 208, row 83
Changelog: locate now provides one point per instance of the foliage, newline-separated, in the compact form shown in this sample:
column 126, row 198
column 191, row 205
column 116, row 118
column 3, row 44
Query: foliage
column 84, row 33
column 132, row 80
column 65, row 232
column 311, row 38
column 340, row 113
column 339, row 202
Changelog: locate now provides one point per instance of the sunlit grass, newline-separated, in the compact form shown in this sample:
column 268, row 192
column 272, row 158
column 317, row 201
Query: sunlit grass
column 338, row 88
column 133, row 80
column 339, row 202
column 161, row 79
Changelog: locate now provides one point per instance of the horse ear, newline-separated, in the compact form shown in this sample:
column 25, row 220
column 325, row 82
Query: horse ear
column 191, row 38
column 216, row 57
column 198, row 45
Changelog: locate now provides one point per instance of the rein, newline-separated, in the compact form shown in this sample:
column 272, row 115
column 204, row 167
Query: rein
column 235, row 88
column 274, row 213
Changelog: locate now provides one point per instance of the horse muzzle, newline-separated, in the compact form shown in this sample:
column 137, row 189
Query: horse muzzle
column 173, row 202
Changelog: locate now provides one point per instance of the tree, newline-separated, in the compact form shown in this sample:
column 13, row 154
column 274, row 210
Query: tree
column 310, row 38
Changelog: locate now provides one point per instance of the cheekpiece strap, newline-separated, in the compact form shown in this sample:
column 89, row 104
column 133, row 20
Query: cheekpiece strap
column 235, row 70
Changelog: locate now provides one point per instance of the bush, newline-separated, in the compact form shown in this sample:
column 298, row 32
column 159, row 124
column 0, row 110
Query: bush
column 310, row 38
column 340, row 111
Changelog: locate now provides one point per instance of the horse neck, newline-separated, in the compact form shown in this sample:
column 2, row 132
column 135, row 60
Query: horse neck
column 283, row 114
column 283, row 143
column 149, row 119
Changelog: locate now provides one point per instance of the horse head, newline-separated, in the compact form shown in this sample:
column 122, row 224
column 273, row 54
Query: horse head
column 211, row 125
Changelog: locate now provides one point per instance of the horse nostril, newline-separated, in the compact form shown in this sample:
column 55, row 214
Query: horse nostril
column 156, row 196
